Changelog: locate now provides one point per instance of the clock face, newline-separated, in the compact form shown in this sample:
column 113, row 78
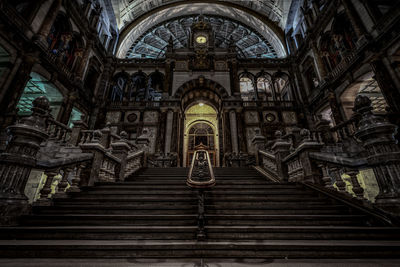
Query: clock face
column 201, row 39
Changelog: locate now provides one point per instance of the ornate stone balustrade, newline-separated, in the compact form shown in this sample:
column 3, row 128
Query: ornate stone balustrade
column 366, row 142
column 82, row 157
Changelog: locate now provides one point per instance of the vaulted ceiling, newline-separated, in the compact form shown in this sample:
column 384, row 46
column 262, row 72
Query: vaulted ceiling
column 266, row 17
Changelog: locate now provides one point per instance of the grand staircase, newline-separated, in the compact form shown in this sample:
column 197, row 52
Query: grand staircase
column 154, row 214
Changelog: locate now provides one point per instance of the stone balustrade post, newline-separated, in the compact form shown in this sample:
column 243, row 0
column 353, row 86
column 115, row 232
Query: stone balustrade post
column 308, row 145
column 105, row 136
column 337, row 176
column 323, row 127
column 357, row 189
column 281, row 149
column 120, row 149
column 16, row 163
column 76, row 180
column 259, row 143
column 377, row 137
column 78, row 127
column 326, row 179
column 45, row 193
column 63, row 184
column 98, row 150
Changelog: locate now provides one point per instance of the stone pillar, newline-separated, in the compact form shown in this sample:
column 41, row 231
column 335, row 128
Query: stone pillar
column 235, row 82
column 19, row 158
column 377, row 136
column 333, row 103
column 356, row 187
column 76, row 131
column 259, row 143
column 48, row 21
column 234, row 133
column 169, row 76
column 281, row 150
column 168, row 131
column 85, row 58
column 320, row 64
column 67, row 107
column 241, row 129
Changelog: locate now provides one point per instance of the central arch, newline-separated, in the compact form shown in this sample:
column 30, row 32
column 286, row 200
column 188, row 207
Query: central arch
column 272, row 32
column 201, row 129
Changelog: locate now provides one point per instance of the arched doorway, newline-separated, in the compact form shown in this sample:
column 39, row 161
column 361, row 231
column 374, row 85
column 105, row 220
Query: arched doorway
column 201, row 132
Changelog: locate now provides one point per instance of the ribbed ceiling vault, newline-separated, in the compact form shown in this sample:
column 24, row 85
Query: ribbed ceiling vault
column 262, row 16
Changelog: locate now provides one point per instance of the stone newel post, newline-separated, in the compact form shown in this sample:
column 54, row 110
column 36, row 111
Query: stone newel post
column 19, row 158
column 281, row 149
column 377, row 136
column 120, row 149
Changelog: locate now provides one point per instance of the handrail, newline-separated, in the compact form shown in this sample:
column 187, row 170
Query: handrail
column 384, row 217
column 201, row 169
column 201, row 176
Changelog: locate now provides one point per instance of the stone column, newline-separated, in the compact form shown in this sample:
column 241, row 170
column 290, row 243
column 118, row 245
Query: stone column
column 85, row 58
column 48, row 21
column 333, row 103
column 235, row 82
column 67, row 107
column 377, row 137
column 320, row 64
column 168, row 131
column 234, row 133
column 19, row 158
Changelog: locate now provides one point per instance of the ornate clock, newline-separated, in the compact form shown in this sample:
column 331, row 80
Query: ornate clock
column 201, row 39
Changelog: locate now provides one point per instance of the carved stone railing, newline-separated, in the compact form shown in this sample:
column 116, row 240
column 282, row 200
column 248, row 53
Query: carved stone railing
column 134, row 162
column 58, row 131
column 345, row 130
column 364, row 144
column 268, row 163
column 160, row 160
column 82, row 157
column 200, row 177
column 240, row 160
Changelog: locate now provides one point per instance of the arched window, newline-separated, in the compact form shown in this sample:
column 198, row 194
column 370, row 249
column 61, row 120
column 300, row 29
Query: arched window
column 60, row 35
column 139, row 85
column 282, row 86
column 201, row 134
column 117, row 92
column 264, row 88
column 155, row 86
column 247, row 90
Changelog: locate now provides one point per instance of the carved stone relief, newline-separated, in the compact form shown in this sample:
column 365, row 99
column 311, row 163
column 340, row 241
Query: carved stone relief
column 113, row 116
column 150, row 117
column 289, row 117
column 251, row 117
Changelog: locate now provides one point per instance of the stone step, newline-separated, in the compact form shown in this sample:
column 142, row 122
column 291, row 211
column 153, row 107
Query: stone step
column 183, row 209
column 102, row 219
column 189, row 232
column 221, row 249
column 215, row 193
column 182, row 220
column 137, row 185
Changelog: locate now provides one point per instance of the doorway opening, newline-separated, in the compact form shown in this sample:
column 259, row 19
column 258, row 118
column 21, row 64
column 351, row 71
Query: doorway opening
column 201, row 132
